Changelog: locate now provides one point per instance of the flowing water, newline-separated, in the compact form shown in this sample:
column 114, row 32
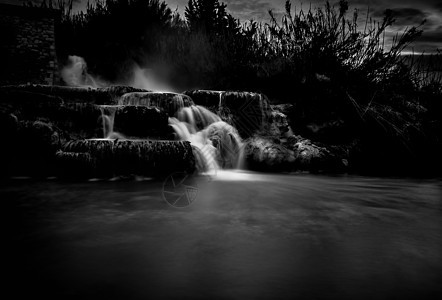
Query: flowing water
column 202, row 129
column 195, row 124
column 108, row 119
column 247, row 235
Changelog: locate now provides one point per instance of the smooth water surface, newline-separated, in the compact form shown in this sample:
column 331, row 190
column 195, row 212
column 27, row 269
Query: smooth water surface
column 246, row 236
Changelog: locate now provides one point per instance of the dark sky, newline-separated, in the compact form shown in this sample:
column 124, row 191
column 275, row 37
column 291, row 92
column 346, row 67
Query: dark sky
column 407, row 13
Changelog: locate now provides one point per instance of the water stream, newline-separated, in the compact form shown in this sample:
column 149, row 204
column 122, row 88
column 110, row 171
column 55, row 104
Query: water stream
column 108, row 119
column 218, row 144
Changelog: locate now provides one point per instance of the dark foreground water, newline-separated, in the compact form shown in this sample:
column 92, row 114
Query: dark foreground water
column 246, row 236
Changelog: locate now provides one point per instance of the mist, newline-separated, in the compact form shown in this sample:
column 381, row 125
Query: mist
column 75, row 73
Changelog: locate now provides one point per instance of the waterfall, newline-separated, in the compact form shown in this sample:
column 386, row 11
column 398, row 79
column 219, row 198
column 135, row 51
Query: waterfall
column 108, row 119
column 198, row 117
column 220, row 104
column 217, row 144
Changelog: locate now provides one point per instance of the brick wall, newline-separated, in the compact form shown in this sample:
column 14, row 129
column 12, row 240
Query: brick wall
column 27, row 45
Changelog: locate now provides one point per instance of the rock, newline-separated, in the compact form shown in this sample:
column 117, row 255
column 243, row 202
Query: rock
column 331, row 131
column 40, row 137
column 286, row 108
column 206, row 98
column 111, row 158
column 171, row 103
column 116, row 91
column 9, row 125
column 277, row 127
column 226, row 140
column 80, row 119
column 101, row 96
column 34, row 149
column 75, row 164
column 247, row 112
column 141, row 122
column 264, row 154
column 251, row 111
column 27, row 105
column 310, row 157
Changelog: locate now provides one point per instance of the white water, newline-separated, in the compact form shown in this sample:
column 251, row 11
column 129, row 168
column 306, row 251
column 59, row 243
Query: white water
column 75, row 73
column 217, row 144
column 108, row 120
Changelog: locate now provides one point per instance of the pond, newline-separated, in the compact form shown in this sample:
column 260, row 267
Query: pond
column 246, row 235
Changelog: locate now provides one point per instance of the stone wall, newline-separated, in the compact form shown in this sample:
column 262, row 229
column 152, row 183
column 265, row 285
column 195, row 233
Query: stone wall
column 27, row 46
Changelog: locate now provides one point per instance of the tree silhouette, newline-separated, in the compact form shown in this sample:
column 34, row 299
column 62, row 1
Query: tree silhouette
column 112, row 34
column 211, row 17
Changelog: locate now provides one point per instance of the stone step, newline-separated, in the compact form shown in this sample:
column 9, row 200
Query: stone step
column 109, row 158
column 170, row 103
column 247, row 111
column 107, row 95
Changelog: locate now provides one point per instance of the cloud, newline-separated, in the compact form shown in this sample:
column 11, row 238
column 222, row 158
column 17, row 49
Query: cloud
column 434, row 36
column 404, row 16
column 254, row 9
column 406, row 12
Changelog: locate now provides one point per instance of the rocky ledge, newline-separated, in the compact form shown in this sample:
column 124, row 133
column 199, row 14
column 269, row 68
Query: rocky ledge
column 109, row 158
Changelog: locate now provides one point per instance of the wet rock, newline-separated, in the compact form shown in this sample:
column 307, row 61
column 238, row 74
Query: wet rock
column 286, row 108
column 34, row 149
column 116, row 91
column 9, row 125
column 292, row 154
column 171, row 103
column 75, row 165
column 141, row 121
column 107, row 95
column 41, row 137
column 311, row 157
column 330, row 131
column 265, row 154
column 226, row 140
column 247, row 112
column 133, row 157
column 69, row 94
column 27, row 105
column 206, row 98
column 80, row 120
column 251, row 111
column 277, row 127
column 280, row 118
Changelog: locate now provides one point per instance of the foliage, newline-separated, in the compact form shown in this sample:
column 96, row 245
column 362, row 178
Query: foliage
column 113, row 34
column 211, row 17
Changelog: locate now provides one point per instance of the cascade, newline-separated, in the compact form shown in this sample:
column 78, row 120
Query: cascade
column 108, row 120
column 217, row 144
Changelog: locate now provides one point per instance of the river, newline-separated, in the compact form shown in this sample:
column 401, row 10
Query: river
column 246, row 236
